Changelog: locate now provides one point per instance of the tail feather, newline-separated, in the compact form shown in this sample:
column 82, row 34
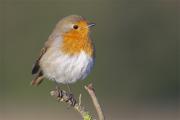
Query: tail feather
column 38, row 79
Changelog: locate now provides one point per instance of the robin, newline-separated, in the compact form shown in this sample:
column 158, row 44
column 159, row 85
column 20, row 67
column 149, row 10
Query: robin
column 68, row 54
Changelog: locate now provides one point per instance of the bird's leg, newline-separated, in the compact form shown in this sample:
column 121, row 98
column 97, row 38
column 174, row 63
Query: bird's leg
column 71, row 99
column 71, row 96
column 60, row 92
column 69, row 88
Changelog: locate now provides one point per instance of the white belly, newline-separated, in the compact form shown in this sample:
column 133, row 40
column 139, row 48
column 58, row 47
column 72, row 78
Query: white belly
column 64, row 68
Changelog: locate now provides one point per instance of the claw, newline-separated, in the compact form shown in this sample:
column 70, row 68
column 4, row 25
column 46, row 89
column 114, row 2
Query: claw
column 72, row 99
column 67, row 97
column 59, row 92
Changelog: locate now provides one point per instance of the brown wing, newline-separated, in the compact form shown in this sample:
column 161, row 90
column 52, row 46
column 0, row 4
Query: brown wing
column 36, row 66
column 48, row 43
column 37, row 70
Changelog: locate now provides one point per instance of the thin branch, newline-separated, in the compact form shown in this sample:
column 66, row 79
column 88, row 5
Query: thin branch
column 97, row 106
column 63, row 96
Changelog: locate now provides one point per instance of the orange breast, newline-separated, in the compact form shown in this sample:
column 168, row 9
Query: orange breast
column 76, row 41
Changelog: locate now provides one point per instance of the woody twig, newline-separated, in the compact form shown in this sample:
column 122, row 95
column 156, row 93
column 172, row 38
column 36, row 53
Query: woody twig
column 97, row 106
column 64, row 96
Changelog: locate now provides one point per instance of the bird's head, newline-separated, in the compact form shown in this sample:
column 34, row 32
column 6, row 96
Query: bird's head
column 75, row 25
column 74, row 30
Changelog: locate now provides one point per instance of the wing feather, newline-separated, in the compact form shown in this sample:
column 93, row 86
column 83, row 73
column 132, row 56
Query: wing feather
column 36, row 66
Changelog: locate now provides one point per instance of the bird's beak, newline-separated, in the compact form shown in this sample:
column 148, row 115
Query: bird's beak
column 91, row 24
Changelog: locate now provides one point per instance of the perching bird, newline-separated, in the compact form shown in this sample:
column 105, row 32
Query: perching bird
column 68, row 55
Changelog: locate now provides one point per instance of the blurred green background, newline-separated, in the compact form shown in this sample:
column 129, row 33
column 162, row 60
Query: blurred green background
column 136, row 70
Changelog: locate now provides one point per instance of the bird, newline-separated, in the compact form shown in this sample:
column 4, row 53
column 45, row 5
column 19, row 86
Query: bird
column 68, row 54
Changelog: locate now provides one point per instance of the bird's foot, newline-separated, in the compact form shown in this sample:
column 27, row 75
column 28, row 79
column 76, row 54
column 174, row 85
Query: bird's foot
column 59, row 93
column 71, row 99
column 65, row 96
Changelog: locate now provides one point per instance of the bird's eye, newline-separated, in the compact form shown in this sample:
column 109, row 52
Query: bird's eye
column 75, row 26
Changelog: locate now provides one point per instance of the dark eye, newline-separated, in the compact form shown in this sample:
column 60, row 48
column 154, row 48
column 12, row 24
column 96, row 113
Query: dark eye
column 75, row 26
